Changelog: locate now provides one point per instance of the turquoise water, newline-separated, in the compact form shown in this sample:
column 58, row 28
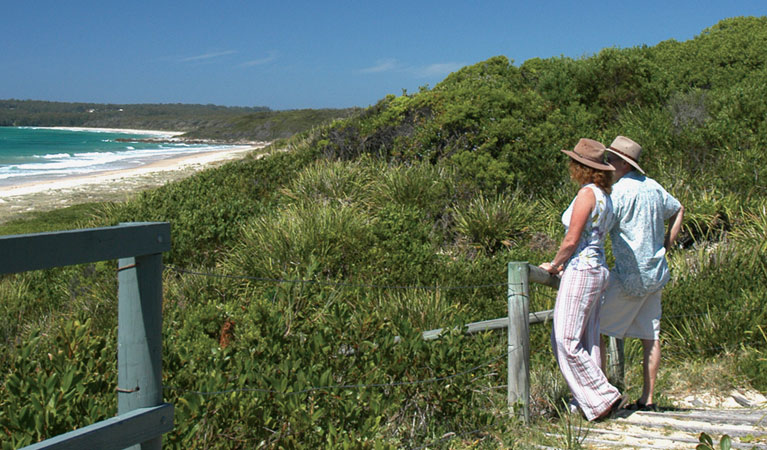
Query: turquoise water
column 34, row 154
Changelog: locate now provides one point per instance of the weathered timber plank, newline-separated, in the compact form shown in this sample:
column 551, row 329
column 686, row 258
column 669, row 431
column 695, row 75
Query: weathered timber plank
column 690, row 425
column 503, row 322
column 645, row 435
column 739, row 417
column 638, row 436
column 540, row 276
column 139, row 336
column 20, row 253
column 492, row 324
column 541, row 316
column 518, row 346
column 602, row 443
column 116, row 433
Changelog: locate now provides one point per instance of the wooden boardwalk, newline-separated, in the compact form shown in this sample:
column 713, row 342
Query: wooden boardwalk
column 679, row 428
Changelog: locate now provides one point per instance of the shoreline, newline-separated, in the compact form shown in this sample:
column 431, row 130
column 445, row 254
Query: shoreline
column 113, row 185
column 156, row 133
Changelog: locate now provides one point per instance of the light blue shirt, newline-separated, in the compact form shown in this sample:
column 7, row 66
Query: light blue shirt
column 641, row 207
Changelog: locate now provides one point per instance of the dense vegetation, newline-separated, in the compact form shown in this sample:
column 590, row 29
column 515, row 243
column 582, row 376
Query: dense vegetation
column 399, row 220
column 200, row 121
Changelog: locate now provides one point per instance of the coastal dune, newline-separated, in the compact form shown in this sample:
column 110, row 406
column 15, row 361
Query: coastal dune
column 114, row 185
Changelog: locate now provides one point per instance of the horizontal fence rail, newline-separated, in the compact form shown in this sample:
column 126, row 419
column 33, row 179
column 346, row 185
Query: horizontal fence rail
column 489, row 325
column 24, row 252
column 119, row 432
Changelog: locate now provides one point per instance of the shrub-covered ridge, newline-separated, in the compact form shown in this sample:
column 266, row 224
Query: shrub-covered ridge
column 402, row 219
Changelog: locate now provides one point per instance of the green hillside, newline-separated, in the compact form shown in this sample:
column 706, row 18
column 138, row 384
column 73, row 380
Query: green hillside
column 402, row 219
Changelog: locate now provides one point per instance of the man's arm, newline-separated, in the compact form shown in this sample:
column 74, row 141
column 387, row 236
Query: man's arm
column 674, row 225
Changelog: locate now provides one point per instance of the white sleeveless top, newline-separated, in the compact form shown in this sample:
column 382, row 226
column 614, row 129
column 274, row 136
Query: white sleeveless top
column 590, row 252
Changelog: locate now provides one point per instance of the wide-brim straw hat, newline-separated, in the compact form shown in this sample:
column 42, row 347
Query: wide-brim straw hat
column 628, row 150
column 589, row 153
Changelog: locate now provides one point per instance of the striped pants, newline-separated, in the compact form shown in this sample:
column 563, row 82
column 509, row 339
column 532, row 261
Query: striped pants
column 575, row 339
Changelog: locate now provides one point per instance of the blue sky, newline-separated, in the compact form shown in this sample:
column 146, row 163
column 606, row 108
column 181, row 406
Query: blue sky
column 308, row 54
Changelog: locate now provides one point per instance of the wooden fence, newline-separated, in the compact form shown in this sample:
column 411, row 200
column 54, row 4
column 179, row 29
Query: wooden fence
column 142, row 418
column 520, row 274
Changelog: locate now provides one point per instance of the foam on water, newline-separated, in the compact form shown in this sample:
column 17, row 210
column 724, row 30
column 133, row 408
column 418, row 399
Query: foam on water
column 28, row 154
column 54, row 156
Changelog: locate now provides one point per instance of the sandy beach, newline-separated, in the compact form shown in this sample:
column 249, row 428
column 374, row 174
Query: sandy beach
column 115, row 185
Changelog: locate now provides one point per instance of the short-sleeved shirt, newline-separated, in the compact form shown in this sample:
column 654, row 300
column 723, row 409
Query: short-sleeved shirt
column 641, row 207
column 590, row 252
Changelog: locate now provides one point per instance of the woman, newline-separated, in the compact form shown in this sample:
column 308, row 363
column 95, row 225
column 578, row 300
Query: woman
column 581, row 259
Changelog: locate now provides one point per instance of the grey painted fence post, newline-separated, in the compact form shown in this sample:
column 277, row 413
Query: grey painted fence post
column 519, row 338
column 615, row 362
column 139, row 337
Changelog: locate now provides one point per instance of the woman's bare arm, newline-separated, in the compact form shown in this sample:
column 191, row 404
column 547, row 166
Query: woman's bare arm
column 584, row 204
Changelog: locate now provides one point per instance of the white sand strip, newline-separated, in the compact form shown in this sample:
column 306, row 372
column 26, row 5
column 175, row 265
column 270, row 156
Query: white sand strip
column 115, row 176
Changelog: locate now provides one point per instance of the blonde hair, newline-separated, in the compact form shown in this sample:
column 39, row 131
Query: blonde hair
column 584, row 174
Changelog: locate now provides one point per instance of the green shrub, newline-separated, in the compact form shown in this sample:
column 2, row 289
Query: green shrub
column 326, row 182
column 298, row 236
column 423, row 186
column 492, row 224
column 52, row 386
column 405, row 246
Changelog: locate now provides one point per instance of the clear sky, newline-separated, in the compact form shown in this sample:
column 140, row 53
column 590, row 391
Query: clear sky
column 308, row 54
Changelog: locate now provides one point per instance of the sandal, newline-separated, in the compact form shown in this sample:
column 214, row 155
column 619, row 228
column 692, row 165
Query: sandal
column 617, row 405
column 639, row 406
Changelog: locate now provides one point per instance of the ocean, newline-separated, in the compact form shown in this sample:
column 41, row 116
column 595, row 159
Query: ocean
column 31, row 154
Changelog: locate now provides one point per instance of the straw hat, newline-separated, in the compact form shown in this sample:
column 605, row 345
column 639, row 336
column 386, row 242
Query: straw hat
column 628, row 150
column 589, row 153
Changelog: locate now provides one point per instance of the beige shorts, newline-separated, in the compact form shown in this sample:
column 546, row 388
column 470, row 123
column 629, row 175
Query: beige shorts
column 623, row 315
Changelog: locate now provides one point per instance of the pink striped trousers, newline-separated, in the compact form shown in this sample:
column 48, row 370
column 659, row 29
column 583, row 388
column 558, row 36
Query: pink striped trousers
column 575, row 339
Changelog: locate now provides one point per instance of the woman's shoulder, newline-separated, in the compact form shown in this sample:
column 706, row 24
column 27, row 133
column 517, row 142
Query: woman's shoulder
column 592, row 190
column 596, row 195
column 586, row 194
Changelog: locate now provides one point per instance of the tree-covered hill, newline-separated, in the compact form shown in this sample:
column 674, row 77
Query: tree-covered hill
column 199, row 121
column 689, row 104
column 402, row 219
column 267, row 125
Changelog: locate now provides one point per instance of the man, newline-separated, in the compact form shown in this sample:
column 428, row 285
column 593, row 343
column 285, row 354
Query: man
column 632, row 302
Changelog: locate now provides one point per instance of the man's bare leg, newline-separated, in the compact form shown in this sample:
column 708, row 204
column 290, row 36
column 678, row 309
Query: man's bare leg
column 603, row 353
column 651, row 363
